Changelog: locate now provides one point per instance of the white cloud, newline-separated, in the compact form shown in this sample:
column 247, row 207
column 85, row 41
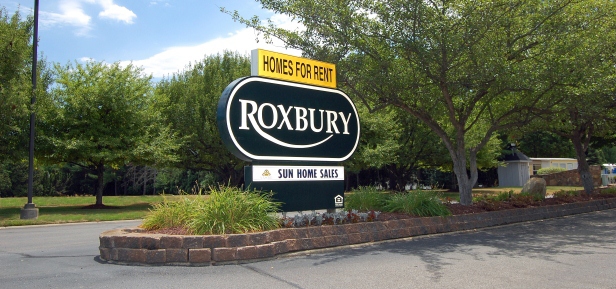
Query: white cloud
column 156, row 2
column 71, row 13
column 86, row 59
column 116, row 12
column 175, row 59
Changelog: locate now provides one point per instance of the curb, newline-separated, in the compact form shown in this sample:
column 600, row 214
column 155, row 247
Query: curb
column 134, row 247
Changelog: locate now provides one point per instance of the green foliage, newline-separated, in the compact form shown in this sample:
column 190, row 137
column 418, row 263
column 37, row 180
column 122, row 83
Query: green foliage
column 397, row 144
column 588, row 106
column 226, row 210
column 15, row 83
column 170, row 214
column 175, row 180
column 524, row 195
column 187, row 103
column 231, row 211
column 567, row 193
column 365, row 199
column 544, row 144
column 100, row 115
column 550, row 170
column 48, row 180
column 609, row 154
column 418, row 203
column 380, row 140
column 466, row 69
column 500, row 197
column 608, row 191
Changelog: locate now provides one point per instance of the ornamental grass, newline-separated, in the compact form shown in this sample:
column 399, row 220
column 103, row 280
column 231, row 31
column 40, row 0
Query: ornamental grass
column 227, row 210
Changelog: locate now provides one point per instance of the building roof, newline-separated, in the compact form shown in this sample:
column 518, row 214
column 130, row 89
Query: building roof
column 515, row 155
column 553, row 159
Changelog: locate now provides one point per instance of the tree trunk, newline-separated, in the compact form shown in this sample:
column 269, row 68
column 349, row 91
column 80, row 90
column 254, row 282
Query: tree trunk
column 154, row 175
column 583, row 167
column 465, row 183
column 100, row 173
column 145, row 181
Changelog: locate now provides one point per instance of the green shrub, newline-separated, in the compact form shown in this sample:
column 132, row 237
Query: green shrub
column 418, row 203
column 232, row 211
column 527, row 196
column 365, row 199
column 565, row 194
column 500, row 197
column 608, row 191
column 550, row 170
column 225, row 211
column 504, row 196
column 170, row 214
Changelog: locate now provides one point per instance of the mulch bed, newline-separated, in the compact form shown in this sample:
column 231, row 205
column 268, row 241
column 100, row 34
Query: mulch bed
column 458, row 209
column 486, row 206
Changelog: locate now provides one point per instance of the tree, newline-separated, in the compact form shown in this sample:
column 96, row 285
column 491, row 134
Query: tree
column 465, row 68
column 100, row 115
column 588, row 109
column 15, row 85
column 187, row 102
column 398, row 143
column 543, row 144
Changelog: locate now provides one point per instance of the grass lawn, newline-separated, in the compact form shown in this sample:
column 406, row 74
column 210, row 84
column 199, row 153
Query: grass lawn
column 56, row 210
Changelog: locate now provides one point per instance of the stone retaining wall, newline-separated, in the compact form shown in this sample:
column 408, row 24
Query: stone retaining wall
column 571, row 177
column 133, row 246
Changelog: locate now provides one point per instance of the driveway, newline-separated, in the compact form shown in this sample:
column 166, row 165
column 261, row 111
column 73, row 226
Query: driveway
column 572, row 252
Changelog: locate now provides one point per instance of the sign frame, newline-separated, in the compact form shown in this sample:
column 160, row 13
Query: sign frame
column 229, row 138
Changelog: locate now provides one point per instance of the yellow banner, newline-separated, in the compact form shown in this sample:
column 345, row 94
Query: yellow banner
column 291, row 68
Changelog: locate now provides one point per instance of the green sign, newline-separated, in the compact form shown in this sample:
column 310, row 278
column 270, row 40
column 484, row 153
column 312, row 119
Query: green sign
column 263, row 119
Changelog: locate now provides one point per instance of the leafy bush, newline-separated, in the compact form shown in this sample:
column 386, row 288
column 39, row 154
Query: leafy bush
column 232, row 211
column 525, row 195
column 500, row 197
column 170, row 214
column 565, row 194
column 608, row 191
column 418, row 203
column 226, row 211
column 550, row 170
column 365, row 199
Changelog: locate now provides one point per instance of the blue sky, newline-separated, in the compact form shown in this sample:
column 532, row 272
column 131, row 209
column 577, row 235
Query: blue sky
column 162, row 36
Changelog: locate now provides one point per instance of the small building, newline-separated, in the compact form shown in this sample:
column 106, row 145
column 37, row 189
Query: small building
column 518, row 167
column 565, row 163
column 516, row 171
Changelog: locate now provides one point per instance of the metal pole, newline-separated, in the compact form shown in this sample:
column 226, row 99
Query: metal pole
column 30, row 211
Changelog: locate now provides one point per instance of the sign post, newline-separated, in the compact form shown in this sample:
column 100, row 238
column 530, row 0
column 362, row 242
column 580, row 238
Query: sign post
column 295, row 134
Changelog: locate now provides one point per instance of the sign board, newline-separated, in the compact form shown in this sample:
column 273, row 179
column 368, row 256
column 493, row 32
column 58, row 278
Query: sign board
column 262, row 119
column 291, row 68
column 290, row 122
column 299, row 195
column 296, row 173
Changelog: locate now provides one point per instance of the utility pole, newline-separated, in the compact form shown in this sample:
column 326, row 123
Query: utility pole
column 30, row 211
